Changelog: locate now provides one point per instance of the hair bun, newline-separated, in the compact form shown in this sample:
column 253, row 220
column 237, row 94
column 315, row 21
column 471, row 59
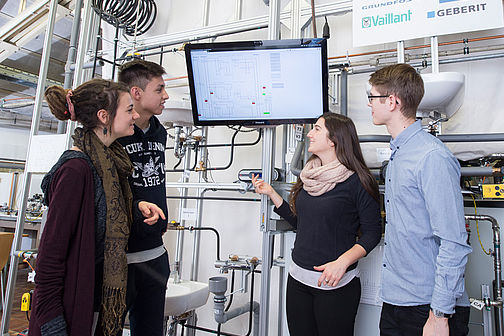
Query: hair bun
column 56, row 100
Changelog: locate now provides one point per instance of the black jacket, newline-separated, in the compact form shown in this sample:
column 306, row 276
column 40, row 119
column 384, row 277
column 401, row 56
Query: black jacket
column 147, row 153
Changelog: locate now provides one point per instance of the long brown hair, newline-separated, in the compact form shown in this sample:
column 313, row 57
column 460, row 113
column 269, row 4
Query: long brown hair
column 343, row 134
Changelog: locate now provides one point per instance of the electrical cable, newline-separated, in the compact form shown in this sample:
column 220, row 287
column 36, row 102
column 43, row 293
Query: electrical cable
column 178, row 164
column 240, row 130
column 34, row 219
column 232, row 290
column 26, row 261
column 231, row 154
column 477, row 227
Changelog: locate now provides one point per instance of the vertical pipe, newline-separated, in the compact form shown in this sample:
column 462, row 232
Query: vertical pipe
column 334, row 88
column 99, row 37
column 267, row 240
column 314, row 22
column 78, row 77
column 289, row 141
column 206, row 11
column 179, row 246
column 116, row 43
column 400, row 52
column 13, row 191
column 72, row 51
column 435, row 54
column 199, row 206
column 344, row 92
column 22, row 6
column 295, row 17
column 285, row 147
column 498, row 278
column 281, row 284
column 44, row 66
column 487, row 312
column 238, row 10
column 499, row 323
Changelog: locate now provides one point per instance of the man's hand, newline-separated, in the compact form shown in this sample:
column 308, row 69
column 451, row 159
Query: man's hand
column 151, row 212
column 436, row 326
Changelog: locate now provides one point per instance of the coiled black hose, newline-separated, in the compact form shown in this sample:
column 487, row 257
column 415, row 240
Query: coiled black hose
column 131, row 15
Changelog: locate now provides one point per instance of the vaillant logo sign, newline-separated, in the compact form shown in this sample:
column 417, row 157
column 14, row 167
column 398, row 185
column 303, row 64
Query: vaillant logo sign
column 386, row 19
column 456, row 8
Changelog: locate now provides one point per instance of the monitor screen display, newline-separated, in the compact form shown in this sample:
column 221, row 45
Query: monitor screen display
column 266, row 82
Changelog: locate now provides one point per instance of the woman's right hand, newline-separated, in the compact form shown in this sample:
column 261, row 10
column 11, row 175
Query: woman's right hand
column 261, row 187
column 264, row 188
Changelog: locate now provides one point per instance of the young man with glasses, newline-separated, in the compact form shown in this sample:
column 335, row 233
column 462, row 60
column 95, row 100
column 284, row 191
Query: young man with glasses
column 425, row 237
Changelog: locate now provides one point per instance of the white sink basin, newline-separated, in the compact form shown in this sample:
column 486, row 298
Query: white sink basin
column 177, row 112
column 184, row 296
column 444, row 92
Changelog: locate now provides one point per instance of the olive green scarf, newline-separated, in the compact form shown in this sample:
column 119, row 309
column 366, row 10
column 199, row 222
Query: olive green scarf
column 114, row 167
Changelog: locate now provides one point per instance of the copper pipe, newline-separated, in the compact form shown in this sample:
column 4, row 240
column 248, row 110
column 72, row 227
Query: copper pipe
column 314, row 23
column 19, row 98
column 175, row 78
column 484, row 38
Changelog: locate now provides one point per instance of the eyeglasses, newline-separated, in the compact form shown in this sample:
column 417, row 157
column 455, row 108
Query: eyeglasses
column 370, row 97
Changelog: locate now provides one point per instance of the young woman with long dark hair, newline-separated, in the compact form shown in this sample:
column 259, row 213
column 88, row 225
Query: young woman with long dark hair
column 334, row 209
column 80, row 285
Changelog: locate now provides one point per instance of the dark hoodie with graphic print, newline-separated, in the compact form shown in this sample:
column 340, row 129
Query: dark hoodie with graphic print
column 147, row 153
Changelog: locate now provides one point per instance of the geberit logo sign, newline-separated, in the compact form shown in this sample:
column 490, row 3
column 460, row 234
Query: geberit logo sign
column 386, row 19
column 456, row 10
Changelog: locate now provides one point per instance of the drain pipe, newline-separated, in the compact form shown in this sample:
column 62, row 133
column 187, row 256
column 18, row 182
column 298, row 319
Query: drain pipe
column 226, row 316
column 296, row 165
column 218, row 286
column 497, row 269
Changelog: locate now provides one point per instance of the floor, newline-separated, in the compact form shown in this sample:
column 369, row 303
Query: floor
column 19, row 321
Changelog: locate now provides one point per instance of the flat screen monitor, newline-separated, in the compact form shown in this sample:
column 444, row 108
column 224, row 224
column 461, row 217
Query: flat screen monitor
column 267, row 82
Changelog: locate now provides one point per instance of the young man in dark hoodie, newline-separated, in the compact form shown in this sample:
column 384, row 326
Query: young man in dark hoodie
column 148, row 265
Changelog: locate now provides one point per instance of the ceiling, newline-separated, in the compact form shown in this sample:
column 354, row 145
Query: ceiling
column 22, row 34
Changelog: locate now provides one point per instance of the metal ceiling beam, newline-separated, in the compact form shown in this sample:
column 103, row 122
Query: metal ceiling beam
column 26, row 26
column 336, row 7
column 22, row 78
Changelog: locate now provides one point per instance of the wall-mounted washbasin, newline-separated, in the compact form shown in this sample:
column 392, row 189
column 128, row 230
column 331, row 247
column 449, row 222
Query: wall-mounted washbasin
column 178, row 112
column 184, row 296
column 444, row 92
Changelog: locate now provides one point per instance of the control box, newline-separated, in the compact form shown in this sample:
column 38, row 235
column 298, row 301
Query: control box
column 493, row 190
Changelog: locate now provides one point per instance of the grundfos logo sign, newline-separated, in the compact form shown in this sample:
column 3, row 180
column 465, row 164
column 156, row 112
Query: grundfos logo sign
column 381, row 4
column 456, row 10
column 386, row 19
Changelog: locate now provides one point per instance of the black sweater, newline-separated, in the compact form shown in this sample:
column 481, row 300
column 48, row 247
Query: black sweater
column 327, row 225
column 147, row 153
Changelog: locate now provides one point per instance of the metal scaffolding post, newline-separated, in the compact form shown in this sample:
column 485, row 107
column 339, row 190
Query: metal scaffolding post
column 268, row 159
column 42, row 81
column 16, row 244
